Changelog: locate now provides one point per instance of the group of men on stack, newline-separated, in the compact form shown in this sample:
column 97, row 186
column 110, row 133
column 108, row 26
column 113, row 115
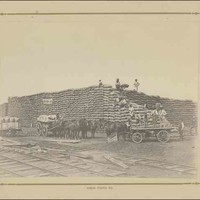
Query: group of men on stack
column 120, row 86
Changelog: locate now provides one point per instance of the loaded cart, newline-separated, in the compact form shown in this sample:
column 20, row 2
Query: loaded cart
column 46, row 124
column 161, row 133
column 9, row 126
column 145, row 123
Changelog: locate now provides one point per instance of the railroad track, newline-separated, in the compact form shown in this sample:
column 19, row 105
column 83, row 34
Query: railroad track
column 158, row 164
column 20, row 163
column 23, row 162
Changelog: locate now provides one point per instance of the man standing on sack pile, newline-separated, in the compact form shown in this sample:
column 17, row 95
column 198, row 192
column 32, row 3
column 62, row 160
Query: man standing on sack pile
column 122, row 102
column 100, row 83
column 155, row 114
column 162, row 114
column 57, row 116
column 117, row 84
column 131, row 109
column 159, row 115
column 136, row 85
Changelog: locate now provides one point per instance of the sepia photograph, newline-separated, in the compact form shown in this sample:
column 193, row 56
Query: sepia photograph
column 87, row 94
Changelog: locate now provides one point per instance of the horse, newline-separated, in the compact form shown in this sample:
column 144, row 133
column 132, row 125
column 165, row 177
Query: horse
column 121, row 129
column 110, row 127
column 115, row 127
column 102, row 122
column 92, row 127
column 74, row 129
column 65, row 129
column 83, row 127
column 57, row 128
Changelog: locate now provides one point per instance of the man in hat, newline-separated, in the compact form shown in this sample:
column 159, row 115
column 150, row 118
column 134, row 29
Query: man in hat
column 155, row 114
column 136, row 85
column 100, row 83
column 123, row 102
column 131, row 109
column 180, row 129
column 57, row 116
column 128, row 125
column 162, row 114
column 117, row 84
column 193, row 128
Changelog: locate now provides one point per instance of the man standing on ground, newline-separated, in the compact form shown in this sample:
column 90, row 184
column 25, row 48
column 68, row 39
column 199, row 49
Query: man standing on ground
column 136, row 85
column 180, row 129
column 128, row 125
column 193, row 128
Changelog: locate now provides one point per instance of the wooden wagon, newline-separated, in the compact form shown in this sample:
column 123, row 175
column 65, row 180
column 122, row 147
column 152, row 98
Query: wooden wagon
column 9, row 126
column 163, row 134
column 46, row 124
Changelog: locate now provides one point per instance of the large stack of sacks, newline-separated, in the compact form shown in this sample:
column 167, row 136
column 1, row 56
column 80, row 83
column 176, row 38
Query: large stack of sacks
column 14, row 107
column 137, row 113
column 86, row 103
column 176, row 109
column 108, row 105
column 4, row 109
column 120, row 111
column 81, row 103
column 28, row 108
column 143, row 117
column 113, row 114
column 94, row 103
column 112, row 109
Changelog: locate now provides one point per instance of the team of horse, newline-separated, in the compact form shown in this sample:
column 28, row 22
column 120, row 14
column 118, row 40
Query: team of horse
column 78, row 129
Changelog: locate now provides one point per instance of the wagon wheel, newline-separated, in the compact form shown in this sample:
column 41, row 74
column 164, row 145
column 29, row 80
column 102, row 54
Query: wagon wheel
column 137, row 137
column 163, row 136
column 44, row 131
column 10, row 132
column 39, row 128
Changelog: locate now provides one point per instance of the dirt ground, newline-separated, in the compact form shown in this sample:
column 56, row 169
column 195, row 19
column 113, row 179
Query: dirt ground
column 147, row 159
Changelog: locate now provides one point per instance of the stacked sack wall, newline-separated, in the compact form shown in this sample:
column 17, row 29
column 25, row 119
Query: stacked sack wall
column 176, row 109
column 14, row 107
column 71, row 104
column 28, row 108
column 4, row 109
column 93, row 103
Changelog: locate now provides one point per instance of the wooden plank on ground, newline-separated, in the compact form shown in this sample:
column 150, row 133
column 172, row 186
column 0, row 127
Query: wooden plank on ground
column 68, row 141
column 116, row 162
column 81, row 155
column 112, row 138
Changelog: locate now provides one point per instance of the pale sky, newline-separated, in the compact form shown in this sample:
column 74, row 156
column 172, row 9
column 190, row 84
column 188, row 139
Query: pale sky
column 46, row 56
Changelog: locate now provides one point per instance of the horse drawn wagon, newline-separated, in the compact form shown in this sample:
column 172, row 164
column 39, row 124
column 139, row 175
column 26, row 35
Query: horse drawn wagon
column 162, row 134
column 46, row 124
column 9, row 126
column 141, row 123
